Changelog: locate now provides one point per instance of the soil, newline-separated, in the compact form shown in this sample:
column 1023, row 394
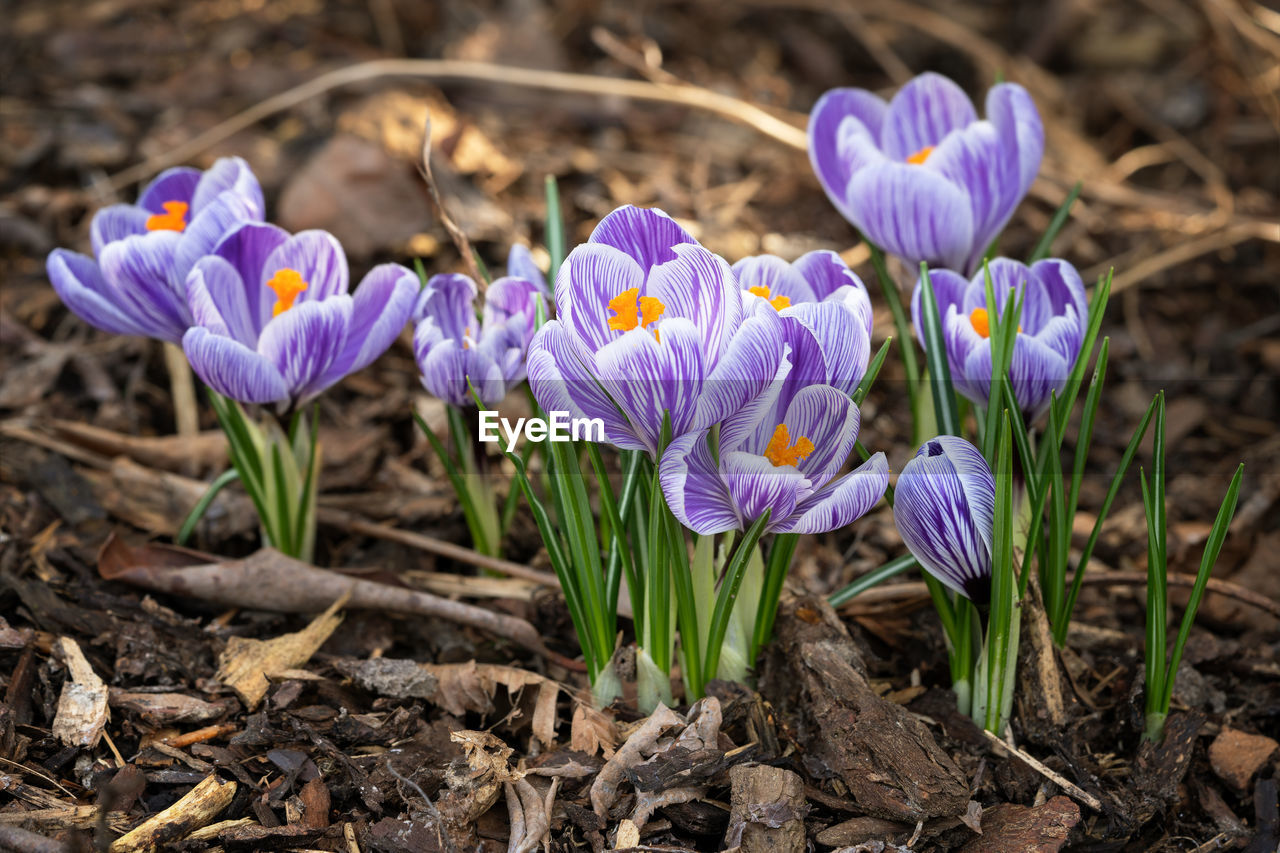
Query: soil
column 373, row 730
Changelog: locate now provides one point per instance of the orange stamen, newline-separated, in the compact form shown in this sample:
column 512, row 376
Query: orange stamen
column 633, row 311
column 173, row 219
column 778, row 302
column 287, row 284
column 781, row 451
column 918, row 158
column 982, row 323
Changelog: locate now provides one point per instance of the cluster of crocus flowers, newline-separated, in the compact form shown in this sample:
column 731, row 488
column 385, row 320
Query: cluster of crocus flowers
column 1048, row 340
column 457, row 351
column 651, row 328
column 136, row 283
column 921, row 176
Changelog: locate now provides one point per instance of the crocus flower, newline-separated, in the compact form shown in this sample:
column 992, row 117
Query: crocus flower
column 649, row 322
column 786, row 464
column 1051, row 329
column 825, row 309
column 944, row 507
column 922, row 177
column 274, row 322
column 454, row 348
column 520, row 265
column 137, row 285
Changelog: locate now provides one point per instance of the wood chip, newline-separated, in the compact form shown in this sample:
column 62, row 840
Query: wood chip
column 245, row 665
column 82, row 707
column 195, row 810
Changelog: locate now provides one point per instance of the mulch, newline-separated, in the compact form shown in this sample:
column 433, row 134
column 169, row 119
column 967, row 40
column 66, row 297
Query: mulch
column 378, row 729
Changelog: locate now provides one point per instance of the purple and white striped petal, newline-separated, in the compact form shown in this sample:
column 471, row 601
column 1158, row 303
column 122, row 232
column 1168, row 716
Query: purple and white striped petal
column 218, row 301
column 520, row 264
column 513, row 302
column 694, row 489
column 78, row 282
column 749, row 363
column 177, row 184
column 379, row 310
column 844, row 342
column 449, row 372
column 138, row 270
column 922, row 113
column 247, row 247
column 648, row 378
column 448, row 299
column 830, row 420
column 206, row 229
column 776, row 276
column 841, row 113
column 1010, row 108
column 699, row 286
column 974, row 159
column 1054, row 287
column 913, row 213
column 304, row 341
column 562, row 383
column 232, row 369
column 842, row 501
column 646, row 234
column 590, row 278
column 942, row 517
column 229, row 174
column 755, row 485
column 949, row 288
column 318, row 257
column 115, row 223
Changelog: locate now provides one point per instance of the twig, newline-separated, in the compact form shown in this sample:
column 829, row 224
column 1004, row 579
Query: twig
column 196, row 809
column 20, row 841
column 183, row 389
column 726, row 106
column 354, row 524
column 456, row 234
column 1184, row 252
column 1069, row 787
column 915, row 589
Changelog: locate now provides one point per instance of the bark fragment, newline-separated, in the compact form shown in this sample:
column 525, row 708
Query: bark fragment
column 889, row 761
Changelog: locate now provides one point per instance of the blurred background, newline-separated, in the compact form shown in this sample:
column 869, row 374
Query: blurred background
column 1166, row 109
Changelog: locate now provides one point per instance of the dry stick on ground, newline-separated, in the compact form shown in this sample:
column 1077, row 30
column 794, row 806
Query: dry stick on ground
column 365, row 527
column 270, row 580
column 916, row 589
column 479, row 72
column 1075, row 791
column 184, row 390
column 456, row 234
column 19, row 840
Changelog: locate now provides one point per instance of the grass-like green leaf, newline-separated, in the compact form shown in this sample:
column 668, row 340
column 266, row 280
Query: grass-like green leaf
column 902, row 326
column 935, row 353
column 728, row 593
column 1002, row 579
column 891, row 569
column 554, row 228
column 1045, row 244
column 202, row 506
column 873, row 371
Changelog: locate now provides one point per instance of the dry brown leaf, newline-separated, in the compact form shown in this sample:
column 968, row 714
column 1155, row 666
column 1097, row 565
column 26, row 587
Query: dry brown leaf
column 470, row 687
column 82, row 707
column 604, row 791
column 246, row 664
column 592, row 730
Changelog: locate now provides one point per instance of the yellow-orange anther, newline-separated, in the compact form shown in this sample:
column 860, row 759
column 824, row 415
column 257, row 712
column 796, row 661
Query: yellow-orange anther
column 287, row 284
column 631, row 310
column 781, row 451
column 918, row 158
column 981, row 322
column 173, row 219
column 778, row 302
